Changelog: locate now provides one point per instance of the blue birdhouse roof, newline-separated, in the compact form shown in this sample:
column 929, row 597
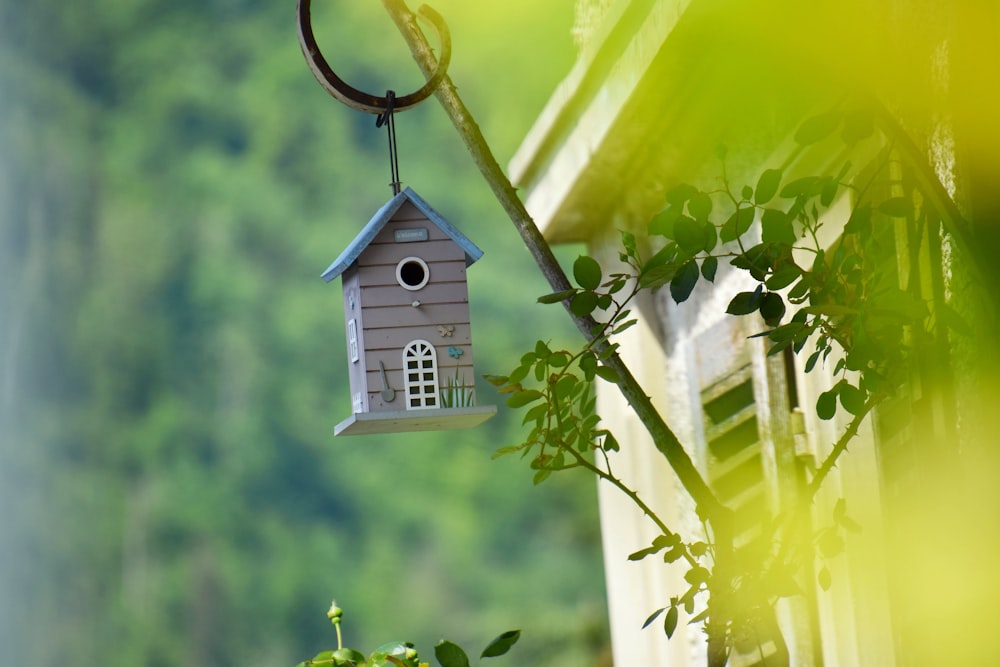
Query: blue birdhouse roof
column 379, row 220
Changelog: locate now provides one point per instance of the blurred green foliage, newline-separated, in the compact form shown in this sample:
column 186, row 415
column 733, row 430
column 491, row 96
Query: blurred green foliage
column 172, row 182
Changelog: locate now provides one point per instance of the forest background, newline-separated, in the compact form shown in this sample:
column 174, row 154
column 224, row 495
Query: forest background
column 172, row 182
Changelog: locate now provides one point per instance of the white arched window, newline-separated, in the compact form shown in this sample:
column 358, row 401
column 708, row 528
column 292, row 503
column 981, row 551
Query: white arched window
column 420, row 368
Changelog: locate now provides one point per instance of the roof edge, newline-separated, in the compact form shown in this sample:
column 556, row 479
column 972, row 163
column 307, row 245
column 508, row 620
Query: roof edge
column 379, row 220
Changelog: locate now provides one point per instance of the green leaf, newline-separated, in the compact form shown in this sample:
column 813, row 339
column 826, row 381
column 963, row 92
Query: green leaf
column 783, row 334
column 556, row 297
column 852, row 398
column 522, row 398
column 783, row 277
column 587, row 272
column 807, row 185
column 746, row 192
column 565, row 385
column 536, row 414
column 829, row 191
column 610, row 443
column 830, row 543
column 680, row 193
column 684, row 281
column 642, row 553
column 670, row 622
column 624, row 326
column 658, row 276
column 541, row 476
column 711, row 236
column 738, row 224
column 860, row 221
column 349, row 655
column 817, row 128
column 450, row 654
column 898, row 207
column 395, row 649
column 496, row 380
column 776, row 227
column 824, row 578
column 767, row 186
column 558, row 359
column 826, row 404
column 858, row 124
column 583, row 304
column 652, row 617
column 689, row 234
column 699, row 618
column 772, row 308
column 700, row 206
column 661, row 257
column 674, row 554
column 849, row 524
column 629, row 243
column 744, row 303
column 662, row 223
column 607, row 373
column 709, row 267
column 813, row 358
column 501, row 644
column 697, row 575
column 698, row 549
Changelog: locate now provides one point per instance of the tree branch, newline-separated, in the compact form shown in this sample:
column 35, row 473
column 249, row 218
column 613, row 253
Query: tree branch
column 708, row 506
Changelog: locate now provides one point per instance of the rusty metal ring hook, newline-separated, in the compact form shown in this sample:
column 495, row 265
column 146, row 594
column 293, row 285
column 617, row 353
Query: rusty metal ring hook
column 355, row 98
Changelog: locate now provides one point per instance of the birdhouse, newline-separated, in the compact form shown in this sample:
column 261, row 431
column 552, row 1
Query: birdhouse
column 406, row 308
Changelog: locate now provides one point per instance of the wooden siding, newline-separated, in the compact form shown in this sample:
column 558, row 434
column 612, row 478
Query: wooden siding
column 441, row 272
column 395, row 338
column 425, row 315
column 433, row 292
column 430, row 251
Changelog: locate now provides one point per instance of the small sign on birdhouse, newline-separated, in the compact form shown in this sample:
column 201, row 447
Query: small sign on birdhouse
column 406, row 309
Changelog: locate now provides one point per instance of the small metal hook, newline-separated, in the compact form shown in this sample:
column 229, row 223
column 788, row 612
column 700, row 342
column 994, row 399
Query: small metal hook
column 355, row 98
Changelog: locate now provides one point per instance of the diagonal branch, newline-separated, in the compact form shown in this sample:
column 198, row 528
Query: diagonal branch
column 708, row 506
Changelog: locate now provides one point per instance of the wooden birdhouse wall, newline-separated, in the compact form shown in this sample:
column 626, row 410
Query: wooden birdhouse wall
column 394, row 316
column 354, row 323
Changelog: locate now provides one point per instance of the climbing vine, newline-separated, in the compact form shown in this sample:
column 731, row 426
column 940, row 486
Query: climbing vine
column 841, row 306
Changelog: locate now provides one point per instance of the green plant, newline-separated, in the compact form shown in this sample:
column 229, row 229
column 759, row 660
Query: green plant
column 843, row 305
column 403, row 654
column 457, row 393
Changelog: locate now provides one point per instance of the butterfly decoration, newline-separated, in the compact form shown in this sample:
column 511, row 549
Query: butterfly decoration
column 446, row 330
column 455, row 352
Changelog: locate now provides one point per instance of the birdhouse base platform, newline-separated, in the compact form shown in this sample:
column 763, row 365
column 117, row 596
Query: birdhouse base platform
column 440, row 419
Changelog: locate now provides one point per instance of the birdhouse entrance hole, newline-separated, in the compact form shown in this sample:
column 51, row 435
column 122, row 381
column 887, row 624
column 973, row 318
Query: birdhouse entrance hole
column 412, row 273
